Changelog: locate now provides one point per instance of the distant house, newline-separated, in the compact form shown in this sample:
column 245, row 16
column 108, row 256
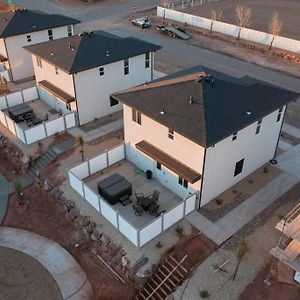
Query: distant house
column 203, row 133
column 80, row 72
column 24, row 27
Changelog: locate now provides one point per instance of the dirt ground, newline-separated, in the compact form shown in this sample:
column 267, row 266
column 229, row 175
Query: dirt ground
column 261, row 13
column 240, row 192
column 21, row 276
column 42, row 215
column 7, row 168
column 258, row 290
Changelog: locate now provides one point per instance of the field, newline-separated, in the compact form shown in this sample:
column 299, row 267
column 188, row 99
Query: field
column 262, row 12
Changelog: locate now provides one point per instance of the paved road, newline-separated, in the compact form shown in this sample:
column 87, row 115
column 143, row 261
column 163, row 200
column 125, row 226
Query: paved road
column 174, row 52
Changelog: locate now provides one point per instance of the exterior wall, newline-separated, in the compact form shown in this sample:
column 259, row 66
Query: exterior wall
column 61, row 80
column 20, row 59
column 93, row 90
column 255, row 149
column 182, row 149
column 4, row 65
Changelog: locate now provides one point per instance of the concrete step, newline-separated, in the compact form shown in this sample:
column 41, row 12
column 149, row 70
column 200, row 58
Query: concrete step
column 49, row 156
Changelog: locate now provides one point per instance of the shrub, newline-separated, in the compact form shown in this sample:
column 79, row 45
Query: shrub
column 266, row 170
column 219, row 201
column 179, row 230
column 158, row 245
column 204, row 294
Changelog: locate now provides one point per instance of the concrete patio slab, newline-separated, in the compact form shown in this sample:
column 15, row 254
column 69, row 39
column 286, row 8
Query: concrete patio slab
column 69, row 276
column 284, row 145
column 291, row 130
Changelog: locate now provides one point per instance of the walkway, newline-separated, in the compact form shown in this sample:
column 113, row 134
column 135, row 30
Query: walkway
column 4, row 193
column 224, row 228
column 69, row 276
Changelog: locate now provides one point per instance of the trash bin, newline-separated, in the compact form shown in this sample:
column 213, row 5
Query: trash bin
column 148, row 174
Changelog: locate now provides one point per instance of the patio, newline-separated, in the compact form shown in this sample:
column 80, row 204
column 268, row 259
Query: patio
column 140, row 184
column 41, row 110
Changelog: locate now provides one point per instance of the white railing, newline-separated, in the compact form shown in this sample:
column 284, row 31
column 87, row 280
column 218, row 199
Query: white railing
column 34, row 133
column 230, row 29
column 138, row 236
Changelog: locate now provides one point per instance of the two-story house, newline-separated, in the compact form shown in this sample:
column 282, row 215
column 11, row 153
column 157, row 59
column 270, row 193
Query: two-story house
column 203, row 133
column 24, row 27
column 80, row 72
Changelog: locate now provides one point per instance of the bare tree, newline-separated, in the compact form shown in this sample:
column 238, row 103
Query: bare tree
column 216, row 15
column 166, row 4
column 243, row 16
column 275, row 27
column 80, row 143
column 240, row 252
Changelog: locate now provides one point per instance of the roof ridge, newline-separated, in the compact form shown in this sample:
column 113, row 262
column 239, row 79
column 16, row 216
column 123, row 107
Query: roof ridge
column 77, row 50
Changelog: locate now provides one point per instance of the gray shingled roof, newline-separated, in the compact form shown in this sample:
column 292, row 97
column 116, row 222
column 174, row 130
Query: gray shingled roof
column 26, row 21
column 89, row 50
column 217, row 110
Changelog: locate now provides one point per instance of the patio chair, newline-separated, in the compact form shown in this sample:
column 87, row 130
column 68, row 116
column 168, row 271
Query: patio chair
column 138, row 210
column 154, row 197
column 139, row 198
column 153, row 209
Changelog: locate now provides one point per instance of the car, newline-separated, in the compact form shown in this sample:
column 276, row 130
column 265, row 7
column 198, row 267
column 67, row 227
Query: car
column 142, row 22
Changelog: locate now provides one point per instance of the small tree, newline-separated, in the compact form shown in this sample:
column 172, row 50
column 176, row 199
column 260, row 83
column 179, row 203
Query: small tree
column 166, row 4
column 275, row 27
column 240, row 253
column 243, row 16
column 80, row 143
column 216, row 15
column 18, row 190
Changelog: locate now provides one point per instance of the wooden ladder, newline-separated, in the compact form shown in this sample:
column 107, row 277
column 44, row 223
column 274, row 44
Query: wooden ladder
column 164, row 281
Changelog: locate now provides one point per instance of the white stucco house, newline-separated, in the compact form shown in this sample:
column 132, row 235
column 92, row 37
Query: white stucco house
column 79, row 73
column 24, row 27
column 202, row 133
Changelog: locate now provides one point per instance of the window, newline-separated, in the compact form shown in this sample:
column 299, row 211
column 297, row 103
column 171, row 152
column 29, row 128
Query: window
column 56, row 70
column 234, row 136
column 69, row 30
column 171, row 134
column 28, row 38
column 101, row 71
column 182, row 182
column 39, row 62
column 136, row 116
column 239, row 167
column 126, row 66
column 147, row 60
column 258, row 126
column 279, row 114
column 113, row 102
column 50, row 34
column 158, row 165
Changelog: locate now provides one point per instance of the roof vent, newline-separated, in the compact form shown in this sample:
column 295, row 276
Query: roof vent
column 33, row 26
column 200, row 76
column 191, row 100
column 90, row 33
column 107, row 53
column 162, row 112
column 71, row 47
column 210, row 79
column 52, row 53
column 248, row 112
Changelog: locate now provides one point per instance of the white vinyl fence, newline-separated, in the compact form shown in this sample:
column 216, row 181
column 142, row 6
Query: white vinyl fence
column 34, row 133
column 230, row 29
column 138, row 236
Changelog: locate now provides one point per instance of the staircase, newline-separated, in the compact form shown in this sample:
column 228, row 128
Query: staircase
column 46, row 159
column 166, row 279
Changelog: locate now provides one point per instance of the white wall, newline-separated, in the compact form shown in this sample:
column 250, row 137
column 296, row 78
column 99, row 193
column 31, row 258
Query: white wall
column 19, row 58
column 2, row 48
column 180, row 148
column 92, row 90
column 255, row 149
column 230, row 29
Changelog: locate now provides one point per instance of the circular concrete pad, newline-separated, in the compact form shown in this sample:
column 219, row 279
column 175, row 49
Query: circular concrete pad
column 67, row 273
column 23, row 277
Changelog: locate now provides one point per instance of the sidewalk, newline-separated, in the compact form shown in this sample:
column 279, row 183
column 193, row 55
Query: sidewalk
column 4, row 193
column 69, row 276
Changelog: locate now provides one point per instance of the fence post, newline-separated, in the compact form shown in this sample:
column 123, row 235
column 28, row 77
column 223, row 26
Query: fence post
column 6, row 101
column 45, row 129
column 65, row 122
column 162, row 222
column 138, row 238
column 184, row 207
column 83, row 191
column 107, row 160
column 99, row 205
column 22, row 96
column 118, row 220
column 89, row 167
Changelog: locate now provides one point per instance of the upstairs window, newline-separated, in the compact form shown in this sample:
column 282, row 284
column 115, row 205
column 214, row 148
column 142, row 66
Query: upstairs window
column 136, row 116
column 279, row 114
column 69, row 30
column 28, row 38
column 234, row 136
column 183, row 182
column 171, row 134
column 158, row 165
column 258, row 126
column 147, row 60
column 39, row 62
column 101, row 71
column 56, row 70
column 50, row 34
column 126, row 66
